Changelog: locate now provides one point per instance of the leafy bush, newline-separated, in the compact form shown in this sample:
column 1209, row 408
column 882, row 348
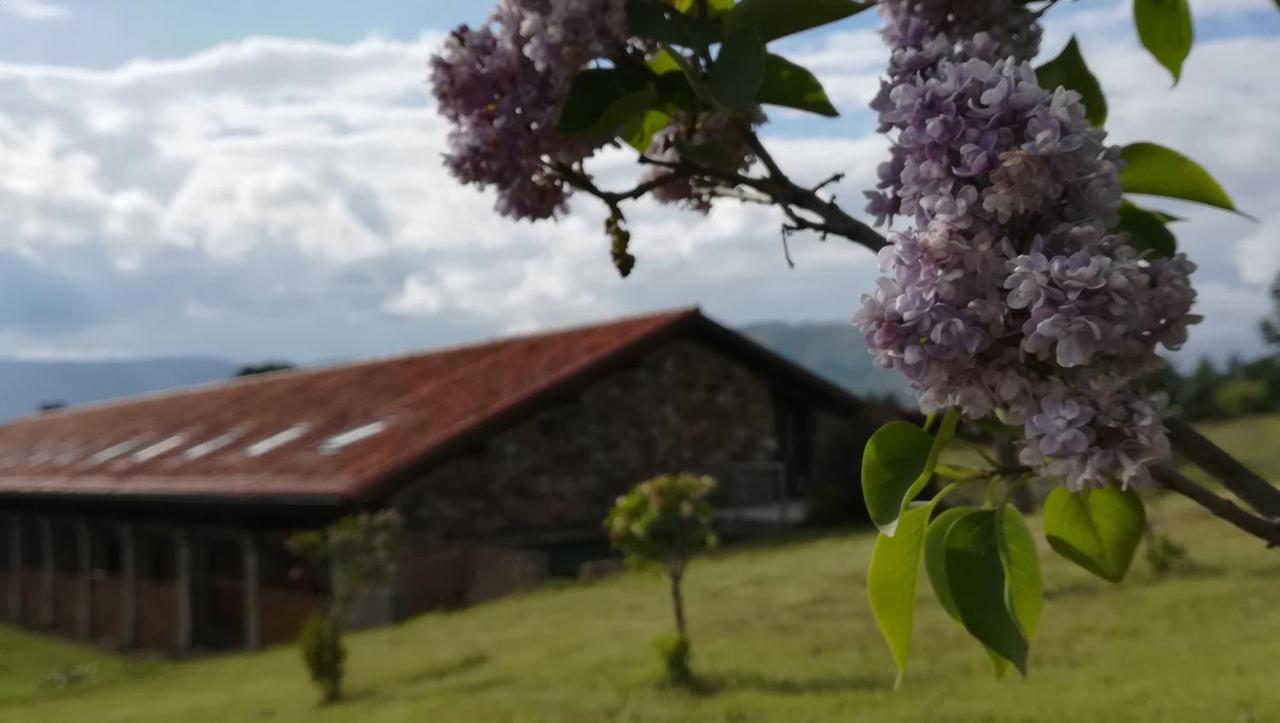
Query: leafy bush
column 674, row 651
column 322, row 651
column 1241, row 396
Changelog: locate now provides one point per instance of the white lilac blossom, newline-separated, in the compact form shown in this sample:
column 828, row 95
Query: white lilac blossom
column 1010, row 295
column 502, row 86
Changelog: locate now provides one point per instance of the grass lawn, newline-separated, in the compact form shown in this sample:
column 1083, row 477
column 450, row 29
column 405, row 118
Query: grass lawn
column 781, row 633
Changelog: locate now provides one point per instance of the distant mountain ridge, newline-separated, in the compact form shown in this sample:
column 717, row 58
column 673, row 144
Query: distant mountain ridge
column 835, row 351
column 25, row 384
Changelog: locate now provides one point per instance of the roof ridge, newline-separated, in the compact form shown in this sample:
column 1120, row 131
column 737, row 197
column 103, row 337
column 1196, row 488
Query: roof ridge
column 276, row 376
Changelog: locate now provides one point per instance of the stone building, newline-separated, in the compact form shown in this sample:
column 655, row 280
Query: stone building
column 158, row 522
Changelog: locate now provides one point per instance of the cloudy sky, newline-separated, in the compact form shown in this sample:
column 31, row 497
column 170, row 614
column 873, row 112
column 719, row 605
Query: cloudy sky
column 256, row 180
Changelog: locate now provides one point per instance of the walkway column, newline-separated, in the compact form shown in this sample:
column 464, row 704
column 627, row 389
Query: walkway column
column 183, row 589
column 84, row 565
column 16, row 573
column 46, row 570
column 128, row 586
column 252, row 577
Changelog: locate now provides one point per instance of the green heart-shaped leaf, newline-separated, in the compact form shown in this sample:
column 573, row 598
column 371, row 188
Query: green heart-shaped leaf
column 894, row 459
column 774, row 19
column 1024, row 588
column 736, row 73
column 891, row 581
column 975, row 579
column 1165, row 29
column 1098, row 529
column 1148, row 231
column 793, row 86
column 1070, row 71
column 601, row 100
column 1158, row 171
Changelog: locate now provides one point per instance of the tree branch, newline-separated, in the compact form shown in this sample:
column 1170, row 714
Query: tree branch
column 1243, row 482
column 830, row 219
column 1221, row 507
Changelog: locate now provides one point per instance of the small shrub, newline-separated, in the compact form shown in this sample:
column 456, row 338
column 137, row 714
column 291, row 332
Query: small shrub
column 322, row 651
column 664, row 521
column 1163, row 554
column 674, row 652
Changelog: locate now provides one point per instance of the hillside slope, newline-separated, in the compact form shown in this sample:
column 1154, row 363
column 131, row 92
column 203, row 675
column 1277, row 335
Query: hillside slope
column 835, row 351
column 782, row 633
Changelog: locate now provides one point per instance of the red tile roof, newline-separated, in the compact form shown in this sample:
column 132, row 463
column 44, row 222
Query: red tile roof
column 142, row 446
column 145, row 446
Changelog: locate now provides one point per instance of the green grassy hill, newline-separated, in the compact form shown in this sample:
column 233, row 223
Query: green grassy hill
column 781, row 633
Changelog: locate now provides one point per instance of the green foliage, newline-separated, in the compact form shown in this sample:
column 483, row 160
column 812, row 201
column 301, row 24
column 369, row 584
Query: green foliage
column 975, row 575
column 663, row 520
column 639, row 131
column 1241, row 395
column 1024, row 588
column 1158, row 171
column 323, row 654
column 675, row 653
column 1069, row 70
column 363, row 551
column 1098, row 529
column 897, row 464
column 891, row 581
column 1147, row 230
column 737, row 71
column 663, row 23
column 1165, row 28
column 601, row 100
column 773, row 19
column 786, row 84
column 249, row 370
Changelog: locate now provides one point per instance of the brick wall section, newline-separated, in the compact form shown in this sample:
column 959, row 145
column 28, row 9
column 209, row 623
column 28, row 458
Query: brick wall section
column 683, row 407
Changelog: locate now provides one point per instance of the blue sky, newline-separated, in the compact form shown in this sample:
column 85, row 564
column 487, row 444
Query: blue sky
column 262, row 179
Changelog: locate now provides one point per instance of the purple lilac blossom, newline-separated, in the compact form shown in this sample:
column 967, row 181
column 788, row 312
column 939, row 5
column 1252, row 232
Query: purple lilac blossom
column 1009, row 295
column 502, row 85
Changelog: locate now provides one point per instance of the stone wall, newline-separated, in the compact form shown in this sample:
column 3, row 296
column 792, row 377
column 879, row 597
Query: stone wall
column 683, row 407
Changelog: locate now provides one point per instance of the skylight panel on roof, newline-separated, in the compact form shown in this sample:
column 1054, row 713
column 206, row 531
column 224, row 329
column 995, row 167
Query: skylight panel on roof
column 112, row 452
column 337, row 442
column 159, row 448
column 279, row 439
column 213, row 445
column 39, row 457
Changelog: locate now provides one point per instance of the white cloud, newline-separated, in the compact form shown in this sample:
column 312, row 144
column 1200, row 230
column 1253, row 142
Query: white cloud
column 34, row 9
column 275, row 197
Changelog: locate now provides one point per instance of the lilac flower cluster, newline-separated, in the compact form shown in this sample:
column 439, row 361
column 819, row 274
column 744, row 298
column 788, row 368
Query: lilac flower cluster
column 923, row 32
column 1010, row 296
column 502, row 85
